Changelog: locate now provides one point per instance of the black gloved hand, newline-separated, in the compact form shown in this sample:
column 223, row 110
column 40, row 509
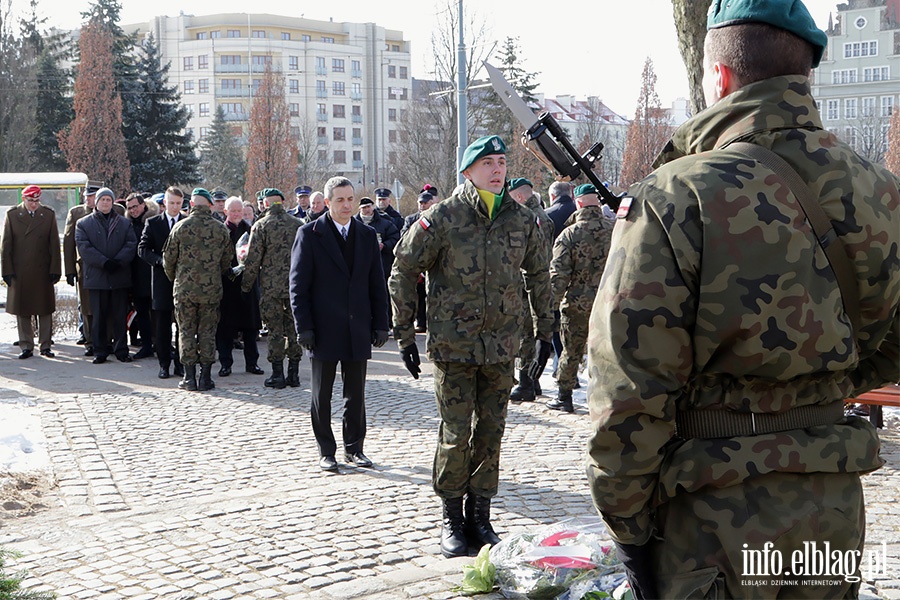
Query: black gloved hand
column 70, row 279
column 8, row 279
column 379, row 338
column 111, row 265
column 307, row 339
column 54, row 278
column 410, row 355
column 639, row 568
column 543, row 350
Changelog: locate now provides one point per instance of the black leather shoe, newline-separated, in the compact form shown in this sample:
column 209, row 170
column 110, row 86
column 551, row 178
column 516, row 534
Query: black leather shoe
column 124, row 358
column 99, row 360
column 328, row 463
column 255, row 370
column 89, row 352
column 224, row 371
column 47, row 352
column 144, row 352
column 81, row 341
column 26, row 354
column 359, row 459
column 163, row 373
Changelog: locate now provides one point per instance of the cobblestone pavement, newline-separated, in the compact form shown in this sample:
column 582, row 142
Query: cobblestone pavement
column 169, row 494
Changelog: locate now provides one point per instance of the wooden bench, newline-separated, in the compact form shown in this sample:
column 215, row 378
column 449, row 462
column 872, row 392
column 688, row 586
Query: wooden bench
column 876, row 399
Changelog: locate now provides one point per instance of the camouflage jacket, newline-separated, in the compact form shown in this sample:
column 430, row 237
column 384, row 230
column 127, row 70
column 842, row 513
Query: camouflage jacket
column 579, row 255
column 197, row 252
column 269, row 253
column 473, row 272
column 716, row 295
column 545, row 222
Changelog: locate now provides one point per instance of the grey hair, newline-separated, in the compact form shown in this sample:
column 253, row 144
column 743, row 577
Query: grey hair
column 232, row 201
column 560, row 188
column 336, row 182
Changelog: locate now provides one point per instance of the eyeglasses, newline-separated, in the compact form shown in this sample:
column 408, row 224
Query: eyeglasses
column 133, row 206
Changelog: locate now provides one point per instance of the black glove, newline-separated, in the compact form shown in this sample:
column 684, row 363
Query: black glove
column 54, row 277
column 307, row 339
column 410, row 355
column 111, row 265
column 639, row 568
column 70, row 279
column 8, row 279
column 379, row 337
column 543, row 350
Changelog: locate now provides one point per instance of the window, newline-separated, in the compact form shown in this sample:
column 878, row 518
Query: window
column 295, row 132
column 323, row 157
column 843, row 76
column 190, row 132
column 337, row 88
column 355, row 68
column 357, row 133
column 320, row 65
column 322, row 132
column 340, row 157
column 356, row 110
column 321, row 90
column 337, row 65
column 356, row 91
column 404, row 73
column 294, row 109
column 850, row 136
column 232, row 108
column 855, row 49
column 188, row 63
column 392, row 136
column 294, row 63
column 831, row 109
column 202, row 35
column 203, row 61
column 850, row 108
column 340, row 134
column 392, row 72
column 256, row 84
column 403, row 94
column 203, row 86
column 189, row 86
column 328, row 40
column 262, row 59
column 305, row 38
column 887, row 106
column 338, row 111
column 285, row 35
column 233, row 33
column 258, row 33
column 190, row 109
column 230, row 59
column 294, row 86
column 215, row 35
column 203, row 131
column 357, row 156
column 395, row 48
column 392, row 114
column 877, row 74
column 231, row 84
column 868, row 107
column 321, row 115
column 204, row 109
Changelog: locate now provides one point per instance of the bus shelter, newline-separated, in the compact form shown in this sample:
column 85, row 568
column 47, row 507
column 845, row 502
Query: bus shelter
column 59, row 191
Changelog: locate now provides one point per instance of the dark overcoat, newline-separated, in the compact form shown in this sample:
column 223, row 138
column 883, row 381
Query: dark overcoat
column 150, row 248
column 30, row 252
column 390, row 235
column 141, row 271
column 341, row 306
column 97, row 243
column 239, row 311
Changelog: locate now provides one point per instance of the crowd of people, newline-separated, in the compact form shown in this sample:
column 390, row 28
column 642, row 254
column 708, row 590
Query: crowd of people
column 722, row 333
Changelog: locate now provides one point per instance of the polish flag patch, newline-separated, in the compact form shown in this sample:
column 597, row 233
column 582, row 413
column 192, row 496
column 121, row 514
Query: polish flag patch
column 624, row 207
column 424, row 223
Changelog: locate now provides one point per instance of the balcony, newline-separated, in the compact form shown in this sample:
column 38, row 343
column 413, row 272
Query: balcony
column 356, row 95
column 323, row 140
column 262, row 68
column 322, row 117
column 236, row 116
column 232, row 92
column 220, row 68
column 321, row 93
column 357, row 118
column 356, row 73
column 357, row 141
column 321, row 71
column 357, row 164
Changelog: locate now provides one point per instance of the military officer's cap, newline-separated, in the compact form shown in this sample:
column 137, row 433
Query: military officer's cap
column 272, row 192
column 382, row 193
column 790, row 15
column 585, row 188
column 91, row 189
column 220, row 195
column 518, row 182
column 32, row 191
column 365, row 201
column 302, row 190
column 202, row 192
column 483, row 146
column 159, row 198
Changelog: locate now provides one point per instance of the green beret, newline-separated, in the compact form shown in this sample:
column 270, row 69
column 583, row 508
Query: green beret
column 790, row 15
column 272, row 192
column 483, row 146
column 202, row 192
column 585, row 188
column 519, row 182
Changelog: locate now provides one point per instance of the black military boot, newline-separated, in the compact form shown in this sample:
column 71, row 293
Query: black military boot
column 524, row 391
column 293, row 374
column 453, row 531
column 563, row 401
column 478, row 522
column 277, row 379
column 189, row 382
column 206, row 382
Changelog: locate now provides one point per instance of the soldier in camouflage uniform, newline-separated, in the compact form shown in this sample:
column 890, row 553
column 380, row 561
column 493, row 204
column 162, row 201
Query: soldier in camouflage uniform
column 197, row 253
column 720, row 347
column 269, row 258
column 473, row 248
column 579, row 255
column 522, row 191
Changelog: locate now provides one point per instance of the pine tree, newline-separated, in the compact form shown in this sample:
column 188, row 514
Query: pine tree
column 54, row 105
column 93, row 143
column 165, row 154
column 648, row 132
column 17, row 100
column 271, row 153
column 221, row 159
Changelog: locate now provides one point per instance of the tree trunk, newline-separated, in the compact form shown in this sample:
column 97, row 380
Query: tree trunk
column 690, row 23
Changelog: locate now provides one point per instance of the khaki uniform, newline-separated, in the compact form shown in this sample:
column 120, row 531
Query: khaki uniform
column 269, row 258
column 197, row 252
column 717, row 300
column 473, row 268
column 579, row 256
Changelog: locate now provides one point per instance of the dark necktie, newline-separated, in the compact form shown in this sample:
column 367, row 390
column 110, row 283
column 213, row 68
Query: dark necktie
column 171, row 223
column 344, row 232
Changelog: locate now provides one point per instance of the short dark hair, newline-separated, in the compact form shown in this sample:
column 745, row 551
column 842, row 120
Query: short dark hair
column 757, row 51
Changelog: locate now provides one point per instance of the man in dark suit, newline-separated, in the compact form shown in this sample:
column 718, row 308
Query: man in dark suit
column 339, row 300
column 150, row 248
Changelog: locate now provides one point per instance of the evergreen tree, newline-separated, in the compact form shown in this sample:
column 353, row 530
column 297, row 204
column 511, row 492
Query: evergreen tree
column 54, row 105
column 165, row 152
column 271, row 153
column 17, row 99
column 93, row 143
column 221, row 159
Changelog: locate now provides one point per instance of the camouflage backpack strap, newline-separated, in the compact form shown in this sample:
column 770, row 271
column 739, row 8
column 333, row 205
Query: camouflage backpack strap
column 821, row 226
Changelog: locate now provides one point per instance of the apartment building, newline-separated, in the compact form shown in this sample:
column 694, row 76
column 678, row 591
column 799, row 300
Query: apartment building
column 347, row 82
column 858, row 81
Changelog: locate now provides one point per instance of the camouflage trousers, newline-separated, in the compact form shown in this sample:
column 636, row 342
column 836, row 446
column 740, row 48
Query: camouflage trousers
column 279, row 319
column 712, row 541
column 472, row 402
column 573, row 331
column 197, row 323
column 526, row 354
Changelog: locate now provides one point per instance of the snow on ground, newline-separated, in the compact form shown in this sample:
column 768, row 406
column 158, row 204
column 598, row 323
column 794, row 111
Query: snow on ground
column 23, row 447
